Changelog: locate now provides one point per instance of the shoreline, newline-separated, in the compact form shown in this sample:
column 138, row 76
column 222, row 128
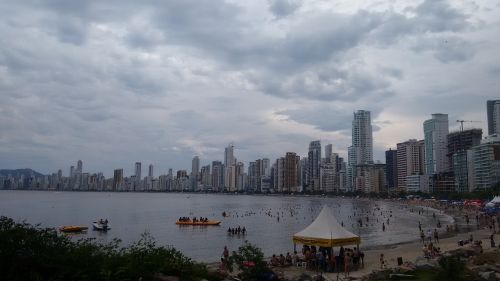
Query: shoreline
column 409, row 251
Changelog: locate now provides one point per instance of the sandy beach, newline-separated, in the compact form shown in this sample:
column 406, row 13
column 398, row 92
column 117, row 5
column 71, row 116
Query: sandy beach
column 409, row 252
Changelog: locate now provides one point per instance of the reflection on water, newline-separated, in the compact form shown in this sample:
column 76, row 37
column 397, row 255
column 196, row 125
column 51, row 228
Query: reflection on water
column 270, row 221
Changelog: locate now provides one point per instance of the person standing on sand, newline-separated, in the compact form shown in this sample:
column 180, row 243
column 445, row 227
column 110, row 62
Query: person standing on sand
column 347, row 264
column 436, row 236
column 422, row 236
column 222, row 265
column 225, row 253
column 382, row 262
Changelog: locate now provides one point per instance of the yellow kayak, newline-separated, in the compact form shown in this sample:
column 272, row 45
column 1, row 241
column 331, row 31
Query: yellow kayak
column 72, row 228
column 197, row 222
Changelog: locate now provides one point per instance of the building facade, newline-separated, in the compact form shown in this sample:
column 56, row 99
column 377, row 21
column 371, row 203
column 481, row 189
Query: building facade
column 410, row 160
column 493, row 114
column 361, row 150
column 436, row 144
column 459, row 143
column 486, row 162
column 391, row 169
column 314, row 162
column 291, row 172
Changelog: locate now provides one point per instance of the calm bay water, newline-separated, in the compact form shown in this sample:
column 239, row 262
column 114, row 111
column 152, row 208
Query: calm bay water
column 132, row 214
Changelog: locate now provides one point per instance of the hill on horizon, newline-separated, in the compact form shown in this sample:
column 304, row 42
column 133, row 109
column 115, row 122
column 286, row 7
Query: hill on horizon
column 18, row 172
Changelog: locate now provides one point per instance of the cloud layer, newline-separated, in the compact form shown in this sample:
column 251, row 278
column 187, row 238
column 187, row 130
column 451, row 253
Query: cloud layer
column 114, row 82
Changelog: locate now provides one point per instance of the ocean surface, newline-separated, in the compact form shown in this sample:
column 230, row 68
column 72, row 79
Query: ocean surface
column 270, row 220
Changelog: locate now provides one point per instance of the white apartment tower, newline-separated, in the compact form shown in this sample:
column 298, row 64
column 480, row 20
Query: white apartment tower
column 361, row 150
column 229, row 156
column 362, row 137
column 436, row 144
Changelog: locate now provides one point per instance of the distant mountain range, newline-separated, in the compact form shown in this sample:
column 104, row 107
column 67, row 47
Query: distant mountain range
column 20, row 172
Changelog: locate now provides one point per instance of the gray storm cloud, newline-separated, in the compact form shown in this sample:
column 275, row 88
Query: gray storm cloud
column 114, row 82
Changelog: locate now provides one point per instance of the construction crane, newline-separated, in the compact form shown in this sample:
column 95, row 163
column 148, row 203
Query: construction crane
column 462, row 123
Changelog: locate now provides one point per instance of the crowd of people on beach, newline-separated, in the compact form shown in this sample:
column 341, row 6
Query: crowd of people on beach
column 322, row 259
column 430, row 212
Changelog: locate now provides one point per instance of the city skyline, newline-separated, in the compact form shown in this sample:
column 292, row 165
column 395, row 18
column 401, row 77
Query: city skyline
column 114, row 84
column 135, row 167
column 443, row 162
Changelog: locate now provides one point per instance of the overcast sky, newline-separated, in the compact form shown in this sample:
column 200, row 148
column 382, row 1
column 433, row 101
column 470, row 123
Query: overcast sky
column 115, row 82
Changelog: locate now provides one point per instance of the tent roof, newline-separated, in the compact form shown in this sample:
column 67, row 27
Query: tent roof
column 326, row 231
column 495, row 199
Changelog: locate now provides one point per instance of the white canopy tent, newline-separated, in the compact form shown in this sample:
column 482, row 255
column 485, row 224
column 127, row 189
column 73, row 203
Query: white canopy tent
column 494, row 202
column 496, row 199
column 326, row 231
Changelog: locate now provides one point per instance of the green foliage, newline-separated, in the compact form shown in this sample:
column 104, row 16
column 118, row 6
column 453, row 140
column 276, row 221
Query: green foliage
column 33, row 253
column 244, row 255
column 452, row 268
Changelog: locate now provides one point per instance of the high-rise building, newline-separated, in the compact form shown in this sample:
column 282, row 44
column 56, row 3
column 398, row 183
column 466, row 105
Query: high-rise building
column 436, row 144
column 117, row 179
column 362, row 137
column 314, row 158
column 459, row 143
column 79, row 166
column 195, row 166
column 290, row 175
column 361, row 150
column 266, row 167
column 463, row 140
column 138, row 170
column 229, row 170
column 258, row 173
column 229, row 155
column 217, row 175
column 72, row 171
column 369, row 178
column 181, row 174
column 206, row 177
column 493, row 112
column 328, row 176
column 252, row 185
column 239, row 176
column 150, row 172
column 486, row 162
column 328, row 153
column 279, row 175
column 391, row 169
column 410, row 161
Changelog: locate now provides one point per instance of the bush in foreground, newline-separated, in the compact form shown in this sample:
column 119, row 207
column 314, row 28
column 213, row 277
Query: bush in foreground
column 30, row 252
column 251, row 263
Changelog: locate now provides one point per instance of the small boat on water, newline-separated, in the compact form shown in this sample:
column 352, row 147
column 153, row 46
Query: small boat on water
column 72, row 228
column 100, row 226
column 190, row 222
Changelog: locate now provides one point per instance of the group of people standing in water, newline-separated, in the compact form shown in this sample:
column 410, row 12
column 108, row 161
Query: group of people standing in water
column 236, row 230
